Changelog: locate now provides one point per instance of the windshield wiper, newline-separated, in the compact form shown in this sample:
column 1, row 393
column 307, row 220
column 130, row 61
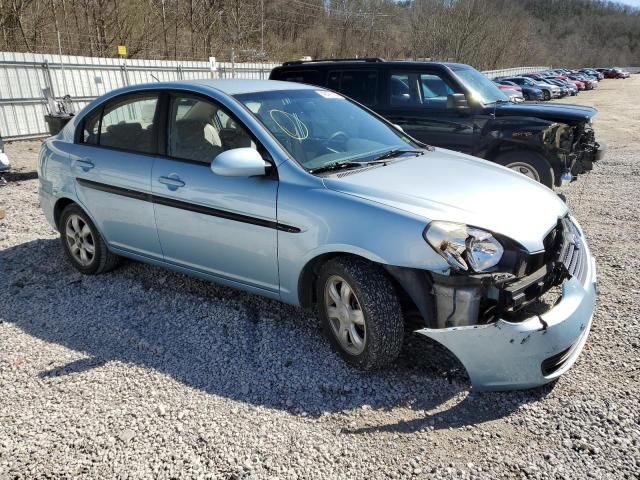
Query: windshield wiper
column 329, row 167
column 381, row 159
column 396, row 152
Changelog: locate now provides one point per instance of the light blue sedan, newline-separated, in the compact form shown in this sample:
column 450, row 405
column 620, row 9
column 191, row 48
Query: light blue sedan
column 299, row 194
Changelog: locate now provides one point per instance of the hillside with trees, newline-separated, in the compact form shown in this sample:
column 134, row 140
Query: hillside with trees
column 485, row 33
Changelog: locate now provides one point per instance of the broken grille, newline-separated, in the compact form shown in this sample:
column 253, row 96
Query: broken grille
column 572, row 253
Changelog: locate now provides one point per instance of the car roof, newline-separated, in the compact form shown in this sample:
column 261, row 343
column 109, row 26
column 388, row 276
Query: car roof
column 236, row 86
column 368, row 63
column 231, row 86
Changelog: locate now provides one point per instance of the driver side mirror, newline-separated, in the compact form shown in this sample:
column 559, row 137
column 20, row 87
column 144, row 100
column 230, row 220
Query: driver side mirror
column 457, row 101
column 239, row 162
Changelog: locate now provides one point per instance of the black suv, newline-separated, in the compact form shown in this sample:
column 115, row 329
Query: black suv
column 455, row 106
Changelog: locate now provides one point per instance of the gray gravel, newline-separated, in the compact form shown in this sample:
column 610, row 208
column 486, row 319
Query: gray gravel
column 145, row 373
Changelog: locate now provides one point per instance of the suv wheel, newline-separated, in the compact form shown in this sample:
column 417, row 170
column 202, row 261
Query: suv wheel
column 546, row 95
column 360, row 312
column 83, row 244
column 528, row 163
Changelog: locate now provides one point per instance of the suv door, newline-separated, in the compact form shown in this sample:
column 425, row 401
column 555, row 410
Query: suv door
column 111, row 160
column 417, row 101
column 221, row 226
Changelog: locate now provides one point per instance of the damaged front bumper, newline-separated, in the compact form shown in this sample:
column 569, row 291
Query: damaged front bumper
column 506, row 355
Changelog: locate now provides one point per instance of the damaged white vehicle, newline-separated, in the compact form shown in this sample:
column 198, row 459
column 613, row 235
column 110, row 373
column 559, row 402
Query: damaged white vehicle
column 301, row 195
column 5, row 166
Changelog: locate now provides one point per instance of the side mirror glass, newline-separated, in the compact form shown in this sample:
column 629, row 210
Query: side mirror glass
column 457, row 101
column 239, row 162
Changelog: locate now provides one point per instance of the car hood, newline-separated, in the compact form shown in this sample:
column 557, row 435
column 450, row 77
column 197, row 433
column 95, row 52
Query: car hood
column 554, row 112
column 446, row 185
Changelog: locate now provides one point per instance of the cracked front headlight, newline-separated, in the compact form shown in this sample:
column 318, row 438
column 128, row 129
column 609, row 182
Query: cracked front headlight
column 464, row 247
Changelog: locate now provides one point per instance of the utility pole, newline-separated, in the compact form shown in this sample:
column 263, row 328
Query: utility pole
column 262, row 27
column 64, row 77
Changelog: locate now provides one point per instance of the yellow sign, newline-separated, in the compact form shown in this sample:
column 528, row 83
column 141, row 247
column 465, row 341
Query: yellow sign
column 122, row 50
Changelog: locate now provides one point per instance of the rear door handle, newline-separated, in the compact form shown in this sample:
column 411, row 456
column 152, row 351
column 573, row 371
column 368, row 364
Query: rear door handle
column 171, row 182
column 85, row 164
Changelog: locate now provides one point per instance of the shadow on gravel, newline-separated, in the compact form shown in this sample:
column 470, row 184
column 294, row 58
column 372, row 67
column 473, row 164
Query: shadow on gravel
column 18, row 176
column 225, row 342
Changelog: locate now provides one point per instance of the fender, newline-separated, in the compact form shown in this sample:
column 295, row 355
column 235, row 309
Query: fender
column 552, row 140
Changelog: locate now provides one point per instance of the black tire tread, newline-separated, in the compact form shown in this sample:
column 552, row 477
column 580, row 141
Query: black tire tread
column 378, row 299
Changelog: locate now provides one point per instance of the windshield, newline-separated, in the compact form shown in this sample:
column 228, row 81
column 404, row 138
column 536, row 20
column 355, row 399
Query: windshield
column 482, row 89
column 319, row 127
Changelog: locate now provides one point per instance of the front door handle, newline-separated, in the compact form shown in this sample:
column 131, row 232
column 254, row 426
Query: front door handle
column 85, row 164
column 171, row 182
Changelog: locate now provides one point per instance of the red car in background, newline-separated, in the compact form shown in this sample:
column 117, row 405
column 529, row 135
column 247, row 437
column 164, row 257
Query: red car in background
column 514, row 92
column 616, row 73
column 580, row 85
column 509, row 87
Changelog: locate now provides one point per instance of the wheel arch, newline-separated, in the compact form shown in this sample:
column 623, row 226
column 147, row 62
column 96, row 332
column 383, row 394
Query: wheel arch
column 500, row 148
column 309, row 275
column 413, row 286
column 60, row 205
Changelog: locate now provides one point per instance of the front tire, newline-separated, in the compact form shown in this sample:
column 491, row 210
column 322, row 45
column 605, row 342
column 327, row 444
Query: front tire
column 546, row 95
column 528, row 163
column 83, row 244
column 360, row 312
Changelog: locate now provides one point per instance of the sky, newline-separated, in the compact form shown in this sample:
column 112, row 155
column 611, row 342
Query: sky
column 633, row 3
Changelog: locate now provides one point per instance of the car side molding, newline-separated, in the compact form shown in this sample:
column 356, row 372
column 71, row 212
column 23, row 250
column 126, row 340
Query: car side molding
column 192, row 207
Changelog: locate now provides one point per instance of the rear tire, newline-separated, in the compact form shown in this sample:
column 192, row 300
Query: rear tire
column 83, row 244
column 360, row 312
column 528, row 163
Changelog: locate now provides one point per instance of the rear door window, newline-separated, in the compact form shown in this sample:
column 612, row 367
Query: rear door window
column 129, row 124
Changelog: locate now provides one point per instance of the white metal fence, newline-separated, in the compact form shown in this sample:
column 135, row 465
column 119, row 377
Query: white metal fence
column 23, row 76
column 510, row 72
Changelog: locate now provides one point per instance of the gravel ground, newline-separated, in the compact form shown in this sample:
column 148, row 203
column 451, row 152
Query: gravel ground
column 145, row 373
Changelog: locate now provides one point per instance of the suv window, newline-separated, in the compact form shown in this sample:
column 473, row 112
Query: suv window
column 128, row 124
column 361, row 85
column 302, row 76
column 199, row 129
column 426, row 89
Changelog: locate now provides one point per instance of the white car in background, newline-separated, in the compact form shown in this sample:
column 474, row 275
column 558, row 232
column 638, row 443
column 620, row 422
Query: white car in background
column 4, row 160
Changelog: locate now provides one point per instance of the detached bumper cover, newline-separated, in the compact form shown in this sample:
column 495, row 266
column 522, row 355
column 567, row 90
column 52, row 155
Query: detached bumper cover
column 527, row 354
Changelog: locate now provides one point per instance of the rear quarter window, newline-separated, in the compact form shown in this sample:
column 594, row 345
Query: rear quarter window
column 361, row 85
column 311, row 77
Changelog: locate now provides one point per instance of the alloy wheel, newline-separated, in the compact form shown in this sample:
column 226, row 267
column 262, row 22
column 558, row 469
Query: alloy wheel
column 80, row 240
column 345, row 315
column 525, row 169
